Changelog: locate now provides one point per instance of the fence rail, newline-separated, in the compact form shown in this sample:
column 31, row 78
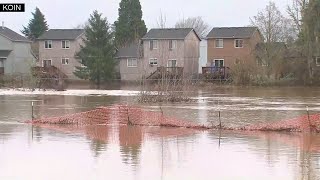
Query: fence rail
column 216, row 72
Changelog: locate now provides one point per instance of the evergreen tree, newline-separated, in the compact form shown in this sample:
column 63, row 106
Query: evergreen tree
column 129, row 27
column 36, row 27
column 97, row 53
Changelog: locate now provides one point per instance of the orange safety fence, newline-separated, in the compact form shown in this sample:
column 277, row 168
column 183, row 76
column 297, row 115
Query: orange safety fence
column 134, row 115
column 119, row 114
column 301, row 124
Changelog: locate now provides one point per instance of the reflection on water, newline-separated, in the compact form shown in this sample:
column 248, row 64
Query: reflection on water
column 130, row 140
column 99, row 138
column 121, row 152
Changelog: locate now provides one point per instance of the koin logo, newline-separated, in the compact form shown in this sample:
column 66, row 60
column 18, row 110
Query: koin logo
column 12, row 7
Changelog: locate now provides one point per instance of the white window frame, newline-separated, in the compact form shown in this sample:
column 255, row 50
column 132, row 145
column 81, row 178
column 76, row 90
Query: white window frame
column 46, row 60
column 49, row 42
column 235, row 43
column 318, row 61
column 172, row 60
column 214, row 61
column 66, row 43
column 132, row 66
column 215, row 43
column 174, row 44
column 65, row 61
column 153, row 59
column 155, row 44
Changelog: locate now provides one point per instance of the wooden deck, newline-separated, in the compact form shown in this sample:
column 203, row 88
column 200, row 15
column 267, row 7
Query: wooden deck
column 216, row 73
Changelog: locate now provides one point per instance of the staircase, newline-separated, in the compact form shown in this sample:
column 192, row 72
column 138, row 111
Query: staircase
column 167, row 73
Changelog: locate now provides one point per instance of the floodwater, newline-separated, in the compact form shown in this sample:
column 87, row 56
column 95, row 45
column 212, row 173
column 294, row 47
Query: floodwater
column 112, row 152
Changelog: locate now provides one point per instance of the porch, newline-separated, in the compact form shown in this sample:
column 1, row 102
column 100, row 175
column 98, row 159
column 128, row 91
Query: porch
column 216, row 73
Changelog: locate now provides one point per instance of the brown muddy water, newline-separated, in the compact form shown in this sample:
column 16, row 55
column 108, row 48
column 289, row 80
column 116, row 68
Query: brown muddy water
column 113, row 152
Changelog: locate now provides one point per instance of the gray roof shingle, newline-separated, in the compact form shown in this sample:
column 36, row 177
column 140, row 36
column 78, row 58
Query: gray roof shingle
column 232, row 32
column 61, row 34
column 168, row 33
column 130, row 51
column 13, row 36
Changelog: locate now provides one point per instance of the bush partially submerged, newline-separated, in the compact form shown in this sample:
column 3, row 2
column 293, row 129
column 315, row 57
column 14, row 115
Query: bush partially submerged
column 165, row 90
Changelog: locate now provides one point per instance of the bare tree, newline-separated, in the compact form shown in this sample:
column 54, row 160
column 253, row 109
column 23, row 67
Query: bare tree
column 296, row 12
column 197, row 23
column 162, row 20
column 273, row 25
column 276, row 30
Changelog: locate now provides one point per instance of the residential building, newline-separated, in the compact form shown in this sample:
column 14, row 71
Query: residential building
column 58, row 47
column 16, row 56
column 203, row 54
column 130, row 62
column 171, row 47
column 230, row 45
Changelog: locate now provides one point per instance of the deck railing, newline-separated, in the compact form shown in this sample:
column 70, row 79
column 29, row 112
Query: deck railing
column 216, row 72
column 171, row 70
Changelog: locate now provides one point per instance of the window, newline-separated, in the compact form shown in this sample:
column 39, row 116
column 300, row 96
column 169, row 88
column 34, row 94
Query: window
column 219, row 43
column 153, row 44
column 318, row 61
column 2, row 61
column 153, row 61
column 48, row 44
column 132, row 62
column 46, row 63
column 238, row 43
column 2, row 65
column 172, row 63
column 172, row 44
column 218, row 63
column 65, row 44
column 65, row 61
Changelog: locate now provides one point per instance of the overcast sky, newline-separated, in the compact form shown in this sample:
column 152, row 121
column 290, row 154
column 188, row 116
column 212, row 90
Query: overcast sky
column 70, row 13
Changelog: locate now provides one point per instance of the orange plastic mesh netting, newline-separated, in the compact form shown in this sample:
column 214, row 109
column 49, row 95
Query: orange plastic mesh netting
column 118, row 114
column 123, row 115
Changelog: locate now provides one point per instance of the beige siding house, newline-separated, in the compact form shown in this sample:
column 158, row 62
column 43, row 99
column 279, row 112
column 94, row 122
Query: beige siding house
column 177, row 47
column 57, row 47
column 171, row 48
column 16, row 56
column 130, row 62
